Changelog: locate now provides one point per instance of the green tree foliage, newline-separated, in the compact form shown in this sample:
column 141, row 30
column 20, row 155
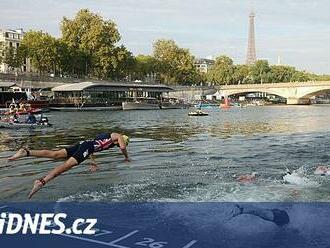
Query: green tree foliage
column 225, row 72
column 281, row 73
column 301, row 76
column 41, row 49
column 323, row 77
column 95, row 39
column 261, row 72
column 222, row 72
column 14, row 58
column 176, row 65
column 122, row 63
column 145, row 65
column 241, row 74
column 11, row 56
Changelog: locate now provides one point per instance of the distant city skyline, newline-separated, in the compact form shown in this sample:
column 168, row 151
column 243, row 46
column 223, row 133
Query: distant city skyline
column 297, row 31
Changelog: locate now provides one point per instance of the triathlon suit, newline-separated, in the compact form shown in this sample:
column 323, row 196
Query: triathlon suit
column 82, row 150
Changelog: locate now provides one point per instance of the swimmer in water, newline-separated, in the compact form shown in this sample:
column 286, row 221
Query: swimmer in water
column 248, row 178
column 75, row 155
column 322, row 170
column 277, row 216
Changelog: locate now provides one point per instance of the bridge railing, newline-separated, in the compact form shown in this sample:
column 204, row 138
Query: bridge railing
column 276, row 85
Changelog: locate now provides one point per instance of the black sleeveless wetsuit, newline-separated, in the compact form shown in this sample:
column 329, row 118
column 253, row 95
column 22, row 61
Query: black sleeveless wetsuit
column 82, row 150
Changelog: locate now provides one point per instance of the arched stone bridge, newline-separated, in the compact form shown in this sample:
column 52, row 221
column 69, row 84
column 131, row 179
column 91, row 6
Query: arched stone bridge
column 294, row 92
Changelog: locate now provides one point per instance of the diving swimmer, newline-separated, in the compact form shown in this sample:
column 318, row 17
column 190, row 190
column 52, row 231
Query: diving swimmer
column 277, row 216
column 75, row 155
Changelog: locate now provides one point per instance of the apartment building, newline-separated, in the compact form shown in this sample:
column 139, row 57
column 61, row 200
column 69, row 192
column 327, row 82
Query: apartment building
column 12, row 38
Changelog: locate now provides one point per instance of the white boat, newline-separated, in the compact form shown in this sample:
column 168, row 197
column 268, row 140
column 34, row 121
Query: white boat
column 169, row 105
column 141, row 104
column 198, row 113
column 173, row 103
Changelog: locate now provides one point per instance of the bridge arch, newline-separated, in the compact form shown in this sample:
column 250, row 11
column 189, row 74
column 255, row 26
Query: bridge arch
column 294, row 92
column 247, row 91
column 315, row 92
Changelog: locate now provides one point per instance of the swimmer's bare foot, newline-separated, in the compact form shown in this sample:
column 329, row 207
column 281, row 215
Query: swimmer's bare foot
column 23, row 152
column 36, row 187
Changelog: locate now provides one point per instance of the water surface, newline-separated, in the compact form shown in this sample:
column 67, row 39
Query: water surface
column 176, row 157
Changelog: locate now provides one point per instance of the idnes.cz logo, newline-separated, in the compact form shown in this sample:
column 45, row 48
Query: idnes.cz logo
column 44, row 223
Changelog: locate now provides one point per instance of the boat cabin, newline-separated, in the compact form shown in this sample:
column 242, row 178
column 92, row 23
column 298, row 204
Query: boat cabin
column 103, row 94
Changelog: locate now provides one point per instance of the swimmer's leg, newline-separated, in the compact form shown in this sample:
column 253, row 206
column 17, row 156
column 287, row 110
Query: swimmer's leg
column 67, row 165
column 24, row 152
column 265, row 214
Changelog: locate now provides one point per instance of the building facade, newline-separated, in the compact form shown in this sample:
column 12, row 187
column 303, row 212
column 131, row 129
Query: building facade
column 203, row 65
column 12, row 38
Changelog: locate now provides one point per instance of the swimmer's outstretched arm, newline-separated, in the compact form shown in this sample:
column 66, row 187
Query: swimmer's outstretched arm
column 38, row 184
column 119, row 138
column 93, row 167
column 124, row 151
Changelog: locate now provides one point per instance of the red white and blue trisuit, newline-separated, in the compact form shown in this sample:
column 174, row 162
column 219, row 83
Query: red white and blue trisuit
column 82, row 150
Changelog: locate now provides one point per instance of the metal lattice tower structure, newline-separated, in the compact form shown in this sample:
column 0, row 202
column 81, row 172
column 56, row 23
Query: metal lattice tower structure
column 251, row 56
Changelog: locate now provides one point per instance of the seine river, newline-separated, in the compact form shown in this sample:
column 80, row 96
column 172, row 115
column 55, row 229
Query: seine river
column 179, row 158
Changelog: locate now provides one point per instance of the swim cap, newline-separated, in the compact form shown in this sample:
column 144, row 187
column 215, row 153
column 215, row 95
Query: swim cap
column 126, row 139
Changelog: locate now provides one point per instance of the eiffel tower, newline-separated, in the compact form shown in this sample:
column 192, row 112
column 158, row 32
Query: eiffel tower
column 251, row 56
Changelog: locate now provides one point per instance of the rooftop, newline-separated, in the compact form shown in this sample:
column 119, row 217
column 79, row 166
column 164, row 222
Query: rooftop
column 204, row 61
column 7, row 84
column 115, row 85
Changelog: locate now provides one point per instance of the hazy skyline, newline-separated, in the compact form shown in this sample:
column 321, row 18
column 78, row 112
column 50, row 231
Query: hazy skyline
column 296, row 30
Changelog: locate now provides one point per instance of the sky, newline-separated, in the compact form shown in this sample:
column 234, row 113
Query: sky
column 296, row 30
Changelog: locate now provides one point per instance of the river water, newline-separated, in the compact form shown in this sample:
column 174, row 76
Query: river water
column 179, row 158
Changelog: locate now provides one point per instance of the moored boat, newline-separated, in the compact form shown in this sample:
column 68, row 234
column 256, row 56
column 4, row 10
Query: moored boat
column 198, row 113
column 24, row 112
column 9, row 123
column 21, row 109
column 173, row 103
column 169, row 105
column 205, row 105
column 140, row 105
column 13, row 125
column 84, row 108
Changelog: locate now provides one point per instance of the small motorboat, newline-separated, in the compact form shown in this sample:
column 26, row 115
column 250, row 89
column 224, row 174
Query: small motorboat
column 204, row 105
column 9, row 123
column 21, row 109
column 198, row 113
column 14, row 125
